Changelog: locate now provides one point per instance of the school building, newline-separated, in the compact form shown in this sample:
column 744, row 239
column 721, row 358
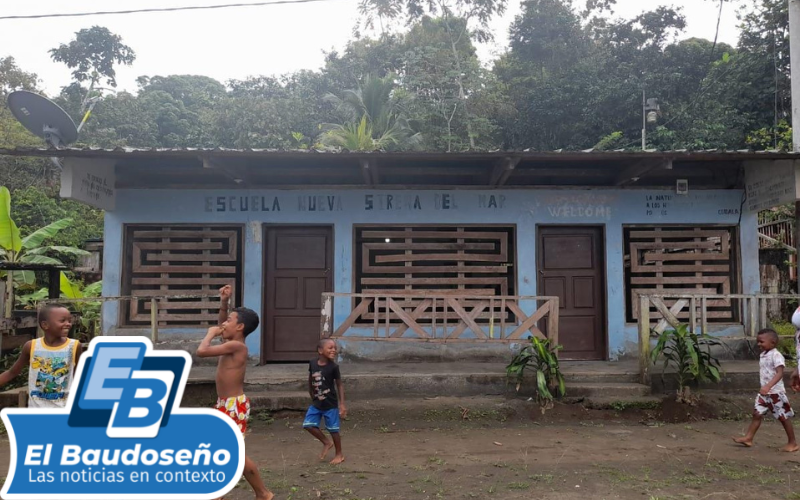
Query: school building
column 422, row 255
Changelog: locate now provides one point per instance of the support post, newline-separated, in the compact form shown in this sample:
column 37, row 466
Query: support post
column 154, row 321
column 326, row 318
column 794, row 54
column 797, row 218
column 644, row 339
column 53, row 283
column 552, row 321
column 693, row 316
column 22, row 398
column 704, row 315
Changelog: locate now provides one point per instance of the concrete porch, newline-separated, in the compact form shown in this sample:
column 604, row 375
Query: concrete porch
column 284, row 386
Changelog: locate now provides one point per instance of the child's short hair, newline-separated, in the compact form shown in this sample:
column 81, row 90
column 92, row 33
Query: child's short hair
column 324, row 341
column 247, row 317
column 769, row 332
column 44, row 312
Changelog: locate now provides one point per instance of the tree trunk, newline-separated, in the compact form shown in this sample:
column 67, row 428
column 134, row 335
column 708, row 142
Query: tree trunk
column 459, row 81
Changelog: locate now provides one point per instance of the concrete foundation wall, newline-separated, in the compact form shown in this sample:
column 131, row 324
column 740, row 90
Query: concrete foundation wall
column 525, row 209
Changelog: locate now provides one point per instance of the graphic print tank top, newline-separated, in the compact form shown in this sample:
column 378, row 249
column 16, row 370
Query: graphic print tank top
column 51, row 372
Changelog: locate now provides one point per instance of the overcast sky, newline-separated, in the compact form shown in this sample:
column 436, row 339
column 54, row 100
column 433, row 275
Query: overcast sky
column 239, row 42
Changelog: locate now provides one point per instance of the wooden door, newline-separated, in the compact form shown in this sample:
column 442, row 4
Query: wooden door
column 570, row 265
column 298, row 263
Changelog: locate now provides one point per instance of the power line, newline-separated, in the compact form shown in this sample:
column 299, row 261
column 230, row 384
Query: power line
column 162, row 9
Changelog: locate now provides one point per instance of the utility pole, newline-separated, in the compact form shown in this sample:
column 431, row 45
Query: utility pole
column 794, row 50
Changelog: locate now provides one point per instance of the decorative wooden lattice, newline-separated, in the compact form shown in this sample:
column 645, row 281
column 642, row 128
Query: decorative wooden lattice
column 681, row 260
column 177, row 261
column 462, row 261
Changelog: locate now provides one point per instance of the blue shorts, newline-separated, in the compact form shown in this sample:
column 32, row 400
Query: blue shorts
column 315, row 416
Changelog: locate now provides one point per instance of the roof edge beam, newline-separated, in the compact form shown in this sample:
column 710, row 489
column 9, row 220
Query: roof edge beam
column 639, row 169
column 211, row 163
column 369, row 170
column 503, row 170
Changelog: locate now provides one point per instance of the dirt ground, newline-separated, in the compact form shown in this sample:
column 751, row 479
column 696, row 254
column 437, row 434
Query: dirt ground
column 451, row 448
column 463, row 449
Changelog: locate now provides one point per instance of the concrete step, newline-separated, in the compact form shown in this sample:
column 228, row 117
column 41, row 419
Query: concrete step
column 619, row 404
column 607, row 390
column 277, row 401
column 600, row 377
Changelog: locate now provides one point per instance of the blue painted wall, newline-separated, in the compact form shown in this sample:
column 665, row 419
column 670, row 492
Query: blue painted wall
column 342, row 209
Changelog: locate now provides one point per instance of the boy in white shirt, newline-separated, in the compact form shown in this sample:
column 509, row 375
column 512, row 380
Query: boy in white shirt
column 772, row 396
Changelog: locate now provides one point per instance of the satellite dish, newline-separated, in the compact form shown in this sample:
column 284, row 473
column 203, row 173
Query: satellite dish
column 43, row 117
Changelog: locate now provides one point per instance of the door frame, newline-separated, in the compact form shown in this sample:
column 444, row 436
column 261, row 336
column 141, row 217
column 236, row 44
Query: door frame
column 603, row 268
column 265, row 228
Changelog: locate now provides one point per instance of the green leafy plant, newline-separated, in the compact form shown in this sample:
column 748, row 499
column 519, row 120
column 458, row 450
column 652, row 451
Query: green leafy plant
column 27, row 250
column 690, row 354
column 541, row 357
column 88, row 310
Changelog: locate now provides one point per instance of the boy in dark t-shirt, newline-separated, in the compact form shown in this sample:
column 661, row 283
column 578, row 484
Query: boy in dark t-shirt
column 327, row 396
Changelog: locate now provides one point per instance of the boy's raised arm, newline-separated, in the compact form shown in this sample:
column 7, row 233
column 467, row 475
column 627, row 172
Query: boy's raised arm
column 224, row 301
column 22, row 362
column 206, row 350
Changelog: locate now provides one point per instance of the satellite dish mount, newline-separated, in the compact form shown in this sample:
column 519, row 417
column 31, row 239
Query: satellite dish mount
column 44, row 118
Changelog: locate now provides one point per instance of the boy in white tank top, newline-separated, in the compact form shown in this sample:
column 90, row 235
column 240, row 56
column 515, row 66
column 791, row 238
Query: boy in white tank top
column 52, row 360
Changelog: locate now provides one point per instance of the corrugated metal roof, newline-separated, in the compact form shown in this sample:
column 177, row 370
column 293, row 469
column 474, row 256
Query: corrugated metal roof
column 185, row 152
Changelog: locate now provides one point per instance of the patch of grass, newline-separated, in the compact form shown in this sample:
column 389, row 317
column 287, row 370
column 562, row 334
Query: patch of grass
column 615, row 475
column 436, row 460
column 520, row 485
column 263, row 416
column 730, row 471
column 634, row 405
column 690, row 478
column 542, row 478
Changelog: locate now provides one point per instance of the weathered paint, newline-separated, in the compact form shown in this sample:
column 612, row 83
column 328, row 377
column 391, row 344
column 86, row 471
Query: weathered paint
column 341, row 209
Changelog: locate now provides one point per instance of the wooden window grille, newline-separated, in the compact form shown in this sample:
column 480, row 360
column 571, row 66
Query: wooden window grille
column 682, row 260
column 439, row 260
column 180, row 260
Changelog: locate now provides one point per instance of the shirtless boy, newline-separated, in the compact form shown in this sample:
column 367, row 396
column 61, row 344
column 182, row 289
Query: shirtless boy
column 232, row 353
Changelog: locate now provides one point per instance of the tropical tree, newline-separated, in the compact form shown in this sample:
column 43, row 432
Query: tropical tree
column 27, row 250
column 92, row 55
column 373, row 119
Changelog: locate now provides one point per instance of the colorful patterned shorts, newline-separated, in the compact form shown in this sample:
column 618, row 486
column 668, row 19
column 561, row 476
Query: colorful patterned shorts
column 236, row 407
column 777, row 404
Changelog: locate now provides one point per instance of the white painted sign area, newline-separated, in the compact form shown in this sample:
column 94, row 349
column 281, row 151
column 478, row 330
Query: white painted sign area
column 89, row 181
column 769, row 184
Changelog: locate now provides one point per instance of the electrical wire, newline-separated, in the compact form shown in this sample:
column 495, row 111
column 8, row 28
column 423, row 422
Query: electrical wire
column 161, row 9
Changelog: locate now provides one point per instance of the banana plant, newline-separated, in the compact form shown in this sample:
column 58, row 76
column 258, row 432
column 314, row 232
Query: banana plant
column 542, row 357
column 88, row 310
column 29, row 249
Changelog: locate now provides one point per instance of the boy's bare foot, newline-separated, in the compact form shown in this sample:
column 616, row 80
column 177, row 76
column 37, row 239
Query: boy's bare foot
column 337, row 460
column 269, row 496
column 791, row 448
column 744, row 441
column 325, row 449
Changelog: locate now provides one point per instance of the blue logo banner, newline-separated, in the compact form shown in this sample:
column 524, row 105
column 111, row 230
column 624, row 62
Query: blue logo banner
column 122, row 434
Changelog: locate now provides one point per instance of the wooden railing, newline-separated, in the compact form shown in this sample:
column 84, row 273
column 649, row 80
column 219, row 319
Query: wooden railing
column 442, row 318
column 777, row 233
column 670, row 313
